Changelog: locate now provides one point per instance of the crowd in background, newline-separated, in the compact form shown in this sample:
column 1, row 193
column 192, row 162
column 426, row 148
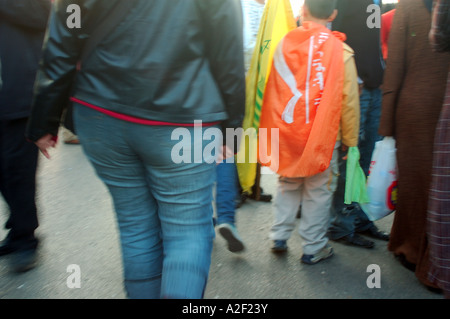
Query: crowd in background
column 141, row 68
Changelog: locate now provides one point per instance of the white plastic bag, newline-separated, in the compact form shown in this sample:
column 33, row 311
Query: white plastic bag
column 382, row 180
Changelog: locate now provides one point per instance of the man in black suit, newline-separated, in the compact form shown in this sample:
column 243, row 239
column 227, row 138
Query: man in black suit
column 22, row 29
column 349, row 221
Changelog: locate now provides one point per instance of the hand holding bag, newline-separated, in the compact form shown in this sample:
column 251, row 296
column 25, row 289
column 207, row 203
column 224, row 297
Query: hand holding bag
column 382, row 180
column 355, row 183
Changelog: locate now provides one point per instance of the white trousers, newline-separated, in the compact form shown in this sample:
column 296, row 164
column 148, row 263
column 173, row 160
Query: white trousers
column 315, row 194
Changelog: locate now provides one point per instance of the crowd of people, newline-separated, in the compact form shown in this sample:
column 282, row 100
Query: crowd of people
column 143, row 68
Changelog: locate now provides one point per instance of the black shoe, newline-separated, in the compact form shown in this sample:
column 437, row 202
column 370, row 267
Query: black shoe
column 241, row 200
column 262, row 196
column 265, row 198
column 24, row 260
column 374, row 232
column 6, row 247
column 435, row 290
column 356, row 240
column 408, row 265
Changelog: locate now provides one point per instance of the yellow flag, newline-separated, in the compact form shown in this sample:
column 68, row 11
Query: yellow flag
column 277, row 20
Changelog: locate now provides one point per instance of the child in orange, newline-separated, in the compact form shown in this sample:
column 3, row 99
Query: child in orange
column 312, row 97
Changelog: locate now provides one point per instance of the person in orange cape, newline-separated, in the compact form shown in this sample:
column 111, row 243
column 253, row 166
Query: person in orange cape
column 310, row 110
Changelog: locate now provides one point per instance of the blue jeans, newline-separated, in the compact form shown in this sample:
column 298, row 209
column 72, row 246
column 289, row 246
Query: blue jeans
column 370, row 105
column 226, row 192
column 164, row 210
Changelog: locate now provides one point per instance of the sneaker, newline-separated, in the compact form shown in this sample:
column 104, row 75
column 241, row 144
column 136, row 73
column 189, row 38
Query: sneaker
column 324, row 253
column 229, row 232
column 279, row 246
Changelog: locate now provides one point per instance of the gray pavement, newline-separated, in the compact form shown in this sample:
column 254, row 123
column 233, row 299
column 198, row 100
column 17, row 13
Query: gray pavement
column 77, row 227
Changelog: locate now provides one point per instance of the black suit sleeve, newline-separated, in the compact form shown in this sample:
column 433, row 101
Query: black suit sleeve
column 26, row 13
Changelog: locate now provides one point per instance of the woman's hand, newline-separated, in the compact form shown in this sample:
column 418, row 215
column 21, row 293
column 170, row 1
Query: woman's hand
column 46, row 142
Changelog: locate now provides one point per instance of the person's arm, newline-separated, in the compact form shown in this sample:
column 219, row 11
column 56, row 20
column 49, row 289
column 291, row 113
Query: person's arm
column 62, row 47
column 350, row 103
column 62, row 50
column 26, row 13
column 224, row 36
column 395, row 71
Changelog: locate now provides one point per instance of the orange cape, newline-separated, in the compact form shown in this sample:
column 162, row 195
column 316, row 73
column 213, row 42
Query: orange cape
column 303, row 99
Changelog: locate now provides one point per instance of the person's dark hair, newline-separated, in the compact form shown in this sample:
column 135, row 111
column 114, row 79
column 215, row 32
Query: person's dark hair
column 321, row 9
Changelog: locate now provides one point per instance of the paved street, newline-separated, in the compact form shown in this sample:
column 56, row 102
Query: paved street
column 77, row 227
